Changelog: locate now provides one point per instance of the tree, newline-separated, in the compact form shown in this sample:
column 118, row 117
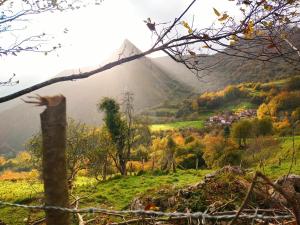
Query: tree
column 218, row 153
column 168, row 160
column 99, row 161
column 128, row 110
column 214, row 146
column 262, row 127
column 241, row 131
column 262, row 31
column 118, row 130
column 189, row 155
column 79, row 143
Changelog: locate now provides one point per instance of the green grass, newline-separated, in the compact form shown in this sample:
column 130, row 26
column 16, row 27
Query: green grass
column 275, row 169
column 176, row 125
column 237, row 105
column 116, row 193
column 19, row 191
column 119, row 193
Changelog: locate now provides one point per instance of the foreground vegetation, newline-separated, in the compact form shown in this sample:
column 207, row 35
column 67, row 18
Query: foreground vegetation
column 116, row 193
column 111, row 165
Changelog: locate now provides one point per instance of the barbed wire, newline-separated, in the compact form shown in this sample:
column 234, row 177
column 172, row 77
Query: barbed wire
column 177, row 215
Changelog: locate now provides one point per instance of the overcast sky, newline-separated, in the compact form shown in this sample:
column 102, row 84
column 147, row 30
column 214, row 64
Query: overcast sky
column 93, row 33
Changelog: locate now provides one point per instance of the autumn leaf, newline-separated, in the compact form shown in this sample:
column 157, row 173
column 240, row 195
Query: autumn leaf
column 151, row 206
column 205, row 36
column 150, row 25
column 192, row 53
column 234, row 38
column 233, row 42
column 249, row 30
column 268, row 7
column 267, row 24
column 216, row 12
column 224, row 17
column 187, row 26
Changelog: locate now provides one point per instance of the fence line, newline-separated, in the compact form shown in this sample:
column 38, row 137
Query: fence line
column 257, row 214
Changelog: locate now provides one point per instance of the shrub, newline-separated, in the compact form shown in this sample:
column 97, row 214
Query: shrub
column 14, row 176
column 230, row 156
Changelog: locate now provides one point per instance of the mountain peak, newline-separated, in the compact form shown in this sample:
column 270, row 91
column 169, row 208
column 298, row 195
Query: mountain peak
column 128, row 49
column 127, row 42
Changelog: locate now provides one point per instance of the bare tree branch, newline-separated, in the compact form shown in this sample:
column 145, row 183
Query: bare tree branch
column 261, row 35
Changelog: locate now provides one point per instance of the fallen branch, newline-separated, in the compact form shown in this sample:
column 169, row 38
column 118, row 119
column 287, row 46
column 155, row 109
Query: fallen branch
column 80, row 217
column 291, row 198
column 245, row 200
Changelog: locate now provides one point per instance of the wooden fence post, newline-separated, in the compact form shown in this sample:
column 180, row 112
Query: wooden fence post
column 53, row 122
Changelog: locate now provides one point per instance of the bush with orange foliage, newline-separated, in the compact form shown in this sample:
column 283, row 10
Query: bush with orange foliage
column 9, row 175
column 2, row 160
column 136, row 166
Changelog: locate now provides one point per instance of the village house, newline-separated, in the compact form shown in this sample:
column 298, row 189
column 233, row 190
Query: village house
column 228, row 118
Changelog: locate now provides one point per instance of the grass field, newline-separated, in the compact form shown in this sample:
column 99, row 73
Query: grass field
column 176, row 125
column 116, row 193
column 275, row 169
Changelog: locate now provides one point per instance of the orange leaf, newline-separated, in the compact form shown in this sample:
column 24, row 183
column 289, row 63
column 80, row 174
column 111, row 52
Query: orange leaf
column 149, row 206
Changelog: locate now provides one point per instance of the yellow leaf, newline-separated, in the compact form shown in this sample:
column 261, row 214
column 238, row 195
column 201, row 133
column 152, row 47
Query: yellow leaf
column 234, row 38
column 224, row 17
column 187, row 26
column 216, row 12
column 249, row 30
column 232, row 43
column 268, row 7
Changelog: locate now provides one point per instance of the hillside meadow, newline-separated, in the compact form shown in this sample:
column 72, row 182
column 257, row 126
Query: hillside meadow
column 166, row 156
